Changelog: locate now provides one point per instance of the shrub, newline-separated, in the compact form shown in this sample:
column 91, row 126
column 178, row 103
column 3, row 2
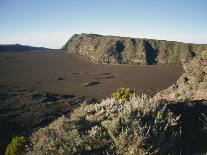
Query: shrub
column 16, row 146
column 140, row 126
column 66, row 137
column 177, row 95
column 123, row 94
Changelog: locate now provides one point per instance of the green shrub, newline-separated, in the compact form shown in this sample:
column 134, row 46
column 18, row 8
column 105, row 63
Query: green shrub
column 16, row 146
column 123, row 94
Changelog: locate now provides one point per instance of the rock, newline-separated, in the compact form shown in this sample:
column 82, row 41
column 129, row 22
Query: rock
column 192, row 85
column 125, row 50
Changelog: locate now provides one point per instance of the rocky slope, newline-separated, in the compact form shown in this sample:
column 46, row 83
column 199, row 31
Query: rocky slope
column 22, row 111
column 192, row 85
column 120, row 50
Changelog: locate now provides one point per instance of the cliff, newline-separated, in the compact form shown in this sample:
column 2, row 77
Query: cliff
column 192, row 85
column 125, row 50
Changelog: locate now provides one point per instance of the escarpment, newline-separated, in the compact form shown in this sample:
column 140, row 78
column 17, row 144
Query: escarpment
column 124, row 50
column 192, row 85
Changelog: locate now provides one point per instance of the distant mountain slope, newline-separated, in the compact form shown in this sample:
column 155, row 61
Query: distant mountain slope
column 18, row 48
column 120, row 50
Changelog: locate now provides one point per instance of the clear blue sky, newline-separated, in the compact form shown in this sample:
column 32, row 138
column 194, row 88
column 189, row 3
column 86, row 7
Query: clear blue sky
column 51, row 23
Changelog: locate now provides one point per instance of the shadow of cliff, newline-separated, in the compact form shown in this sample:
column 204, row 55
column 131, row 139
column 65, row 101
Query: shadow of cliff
column 119, row 48
column 151, row 53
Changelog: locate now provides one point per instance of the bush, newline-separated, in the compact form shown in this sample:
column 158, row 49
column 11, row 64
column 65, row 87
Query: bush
column 16, row 146
column 177, row 95
column 66, row 137
column 140, row 126
column 123, row 94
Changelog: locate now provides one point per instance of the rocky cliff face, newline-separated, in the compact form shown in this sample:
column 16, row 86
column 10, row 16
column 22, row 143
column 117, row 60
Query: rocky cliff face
column 124, row 50
column 192, row 85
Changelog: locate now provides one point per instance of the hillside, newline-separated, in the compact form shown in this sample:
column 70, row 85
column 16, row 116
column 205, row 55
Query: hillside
column 125, row 50
column 18, row 48
column 192, row 85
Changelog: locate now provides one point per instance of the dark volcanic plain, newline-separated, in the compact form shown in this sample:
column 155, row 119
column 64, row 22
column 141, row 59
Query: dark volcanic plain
column 62, row 73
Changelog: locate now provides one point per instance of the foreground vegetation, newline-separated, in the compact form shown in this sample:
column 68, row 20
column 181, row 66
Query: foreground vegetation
column 137, row 126
column 17, row 145
column 124, row 124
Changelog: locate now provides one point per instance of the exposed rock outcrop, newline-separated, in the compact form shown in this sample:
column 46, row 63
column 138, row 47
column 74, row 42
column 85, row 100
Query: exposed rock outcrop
column 192, row 85
column 124, row 50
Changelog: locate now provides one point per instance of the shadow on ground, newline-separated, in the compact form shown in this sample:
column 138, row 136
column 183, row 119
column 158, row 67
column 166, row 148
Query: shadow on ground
column 193, row 126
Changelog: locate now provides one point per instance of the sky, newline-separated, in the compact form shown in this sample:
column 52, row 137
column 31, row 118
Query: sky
column 50, row 23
